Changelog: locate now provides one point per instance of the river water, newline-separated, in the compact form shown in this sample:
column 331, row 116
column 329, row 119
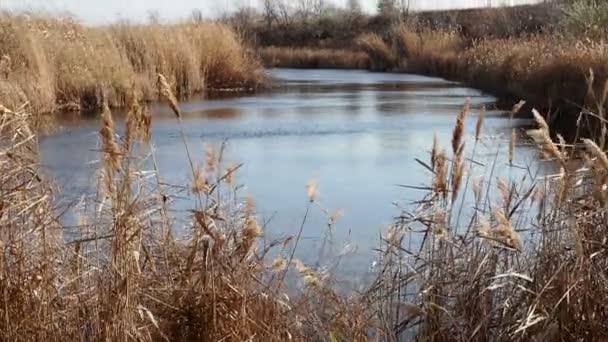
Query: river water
column 357, row 133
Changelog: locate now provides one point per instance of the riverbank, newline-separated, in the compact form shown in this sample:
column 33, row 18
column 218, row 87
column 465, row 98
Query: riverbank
column 545, row 60
column 58, row 64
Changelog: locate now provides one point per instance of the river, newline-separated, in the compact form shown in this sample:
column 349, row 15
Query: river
column 357, row 133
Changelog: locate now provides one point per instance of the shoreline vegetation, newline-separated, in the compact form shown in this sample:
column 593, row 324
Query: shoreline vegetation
column 546, row 54
column 59, row 64
column 530, row 264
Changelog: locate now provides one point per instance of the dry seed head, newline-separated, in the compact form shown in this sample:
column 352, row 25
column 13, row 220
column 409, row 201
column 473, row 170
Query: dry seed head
column 440, row 182
column 312, row 279
column 312, row 190
column 335, row 216
column 279, row 264
column 250, row 233
column 597, row 152
column 540, row 120
column 200, row 183
column 480, row 121
column 505, row 233
column 547, row 147
column 230, row 171
column 503, row 188
column 458, row 134
column 108, row 140
column 167, row 93
column 434, row 151
column 458, row 174
column 310, row 276
column 516, row 108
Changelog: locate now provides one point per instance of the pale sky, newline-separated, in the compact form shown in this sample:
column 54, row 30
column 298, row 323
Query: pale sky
column 106, row 11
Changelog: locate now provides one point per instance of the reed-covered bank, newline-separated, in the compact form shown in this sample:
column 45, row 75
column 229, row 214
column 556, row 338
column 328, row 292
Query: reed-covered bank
column 529, row 264
column 548, row 54
column 55, row 64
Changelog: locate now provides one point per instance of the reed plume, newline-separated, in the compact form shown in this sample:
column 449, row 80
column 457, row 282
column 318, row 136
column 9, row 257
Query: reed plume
column 540, row 120
column 543, row 139
column 457, row 174
column 597, row 152
column 110, row 148
column 167, row 94
column 458, row 134
column 200, row 183
column 440, row 180
column 503, row 233
column 516, row 108
column 312, row 190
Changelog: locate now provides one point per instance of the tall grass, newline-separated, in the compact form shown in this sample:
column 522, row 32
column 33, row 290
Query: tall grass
column 381, row 55
column 55, row 64
column 528, row 264
column 548, row 71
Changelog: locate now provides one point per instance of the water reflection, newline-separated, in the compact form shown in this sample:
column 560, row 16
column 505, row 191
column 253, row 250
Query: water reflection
column 358, row 133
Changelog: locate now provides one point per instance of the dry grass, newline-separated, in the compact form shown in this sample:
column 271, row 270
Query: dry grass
column 528, row 265
column 381, row 55
column 55, row 64
column 547, row 70
column 287, row 57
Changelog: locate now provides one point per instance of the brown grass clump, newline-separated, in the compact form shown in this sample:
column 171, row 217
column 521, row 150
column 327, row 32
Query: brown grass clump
column 288, row 57
column 58, row 64
column 427, row 51
column 381, row 56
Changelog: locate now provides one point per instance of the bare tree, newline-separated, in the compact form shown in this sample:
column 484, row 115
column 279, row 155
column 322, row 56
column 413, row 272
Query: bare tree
column 269, row 12
column 307, row 8
column 283, row 11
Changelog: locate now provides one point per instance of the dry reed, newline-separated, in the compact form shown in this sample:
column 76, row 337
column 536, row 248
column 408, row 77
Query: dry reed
column 59, row 64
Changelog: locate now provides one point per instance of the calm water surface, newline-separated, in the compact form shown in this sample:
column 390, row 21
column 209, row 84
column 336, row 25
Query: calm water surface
column 357, row 133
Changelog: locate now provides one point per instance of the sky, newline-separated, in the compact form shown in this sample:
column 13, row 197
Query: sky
column 107, row 11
